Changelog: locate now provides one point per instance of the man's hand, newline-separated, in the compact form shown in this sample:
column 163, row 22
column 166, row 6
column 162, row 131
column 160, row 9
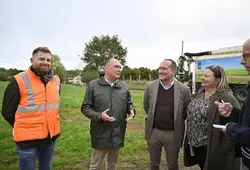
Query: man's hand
column 131, row 115
column 106, row 117
column 225, row 109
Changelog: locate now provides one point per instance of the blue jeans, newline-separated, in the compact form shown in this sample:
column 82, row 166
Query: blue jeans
column 27, row 156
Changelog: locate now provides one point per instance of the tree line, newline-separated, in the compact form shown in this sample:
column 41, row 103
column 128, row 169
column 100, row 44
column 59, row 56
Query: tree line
column 56, row 64
column 99, row 49
column 7, row 74
column 96, row 52
column 138, row 74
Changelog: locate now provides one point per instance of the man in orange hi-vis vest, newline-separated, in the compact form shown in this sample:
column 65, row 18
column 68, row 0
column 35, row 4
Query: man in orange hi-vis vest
column 31, row 107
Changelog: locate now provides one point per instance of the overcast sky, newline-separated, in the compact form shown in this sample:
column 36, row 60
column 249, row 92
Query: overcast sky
column 151, row 29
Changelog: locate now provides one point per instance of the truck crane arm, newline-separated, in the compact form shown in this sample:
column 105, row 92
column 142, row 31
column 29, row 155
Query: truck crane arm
column 182, row 74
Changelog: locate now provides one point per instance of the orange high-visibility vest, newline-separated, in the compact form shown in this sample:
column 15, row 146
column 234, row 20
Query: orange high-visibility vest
column 37, row 115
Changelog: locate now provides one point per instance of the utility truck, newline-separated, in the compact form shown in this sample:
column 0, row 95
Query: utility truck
column 192, row 65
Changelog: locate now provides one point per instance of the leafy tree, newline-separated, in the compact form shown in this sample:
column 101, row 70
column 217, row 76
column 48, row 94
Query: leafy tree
column 126, row 71
column 73, row 73
column 4, row 76
column 7, row 74
column 89, row 75
column 145, row 72
column 58, row 67
column 2, row 69
column 99, row 49
column 154, row 74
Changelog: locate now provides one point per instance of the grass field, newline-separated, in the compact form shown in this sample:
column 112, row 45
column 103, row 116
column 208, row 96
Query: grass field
column 230, row 72
column 234, row 76
column 137, row 85
column 73, row 149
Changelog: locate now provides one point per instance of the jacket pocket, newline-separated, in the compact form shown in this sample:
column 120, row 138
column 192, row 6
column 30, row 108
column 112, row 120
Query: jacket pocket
column 57, row 126
column 228, row 145
column 30, row 131
column 99, row 130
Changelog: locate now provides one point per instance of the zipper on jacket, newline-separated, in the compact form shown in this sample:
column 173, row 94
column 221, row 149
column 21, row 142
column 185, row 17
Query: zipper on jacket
column 111, row 124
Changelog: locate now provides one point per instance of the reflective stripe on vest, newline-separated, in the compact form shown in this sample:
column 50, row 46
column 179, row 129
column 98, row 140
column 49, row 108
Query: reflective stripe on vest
column 37, row 108
column 29, row 89
column 31, row 101
column 58, row 89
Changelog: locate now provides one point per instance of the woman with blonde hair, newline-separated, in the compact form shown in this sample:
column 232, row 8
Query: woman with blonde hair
column 204, row 145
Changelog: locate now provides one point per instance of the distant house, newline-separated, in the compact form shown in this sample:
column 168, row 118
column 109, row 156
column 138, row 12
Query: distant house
column 77, row 81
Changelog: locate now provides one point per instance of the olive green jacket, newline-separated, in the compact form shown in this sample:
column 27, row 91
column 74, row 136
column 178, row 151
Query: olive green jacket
column 100, row 96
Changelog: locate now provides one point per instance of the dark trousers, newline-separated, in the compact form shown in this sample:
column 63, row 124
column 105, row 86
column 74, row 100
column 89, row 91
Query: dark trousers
column 200, row 155
column 243, row 167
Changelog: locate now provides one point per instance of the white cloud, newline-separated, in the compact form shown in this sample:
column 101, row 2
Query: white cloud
column 151, row 30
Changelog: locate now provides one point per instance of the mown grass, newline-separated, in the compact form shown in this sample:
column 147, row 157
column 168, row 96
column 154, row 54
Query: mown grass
column 230, row 72
column 237, row 72
column 137, row 85
column 234, row 76
column 73, row 149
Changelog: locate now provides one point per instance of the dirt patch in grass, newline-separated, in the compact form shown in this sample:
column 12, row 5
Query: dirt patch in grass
column 76, row 165
column 84, row 165
column 135, row 127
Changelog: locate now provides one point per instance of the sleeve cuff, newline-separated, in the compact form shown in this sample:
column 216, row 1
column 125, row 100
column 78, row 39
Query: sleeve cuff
column 234, row 116
column 99, row 118
column 230, row 128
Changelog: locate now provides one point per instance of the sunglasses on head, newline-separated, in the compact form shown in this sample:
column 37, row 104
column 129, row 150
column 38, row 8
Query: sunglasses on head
column 215, row 70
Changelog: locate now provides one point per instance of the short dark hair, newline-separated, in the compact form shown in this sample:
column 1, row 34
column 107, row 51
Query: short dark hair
column 173, row 63
column 42, row 49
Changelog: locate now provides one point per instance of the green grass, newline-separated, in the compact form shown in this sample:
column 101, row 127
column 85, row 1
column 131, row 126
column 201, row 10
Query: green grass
column 237, row 72
column 73, row 149
column 231, row 72
column 137, row 85
column 231, row 80
column 234, row 76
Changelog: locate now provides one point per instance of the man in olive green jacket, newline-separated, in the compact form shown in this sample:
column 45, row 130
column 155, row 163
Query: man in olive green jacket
column 107, row 102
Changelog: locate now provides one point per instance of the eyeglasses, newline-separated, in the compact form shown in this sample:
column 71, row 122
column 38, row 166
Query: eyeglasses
column 246, row 56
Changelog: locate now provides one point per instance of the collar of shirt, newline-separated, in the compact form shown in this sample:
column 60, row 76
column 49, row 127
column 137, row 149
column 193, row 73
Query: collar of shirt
column 167, row 87
column 110, row 83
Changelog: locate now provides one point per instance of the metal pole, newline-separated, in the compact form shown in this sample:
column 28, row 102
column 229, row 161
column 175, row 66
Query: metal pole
column 194, row 77
column 182, row 47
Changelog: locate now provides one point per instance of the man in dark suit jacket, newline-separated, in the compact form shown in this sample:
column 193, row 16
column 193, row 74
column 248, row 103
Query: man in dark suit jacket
column 239, row 128
column 165, row 102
